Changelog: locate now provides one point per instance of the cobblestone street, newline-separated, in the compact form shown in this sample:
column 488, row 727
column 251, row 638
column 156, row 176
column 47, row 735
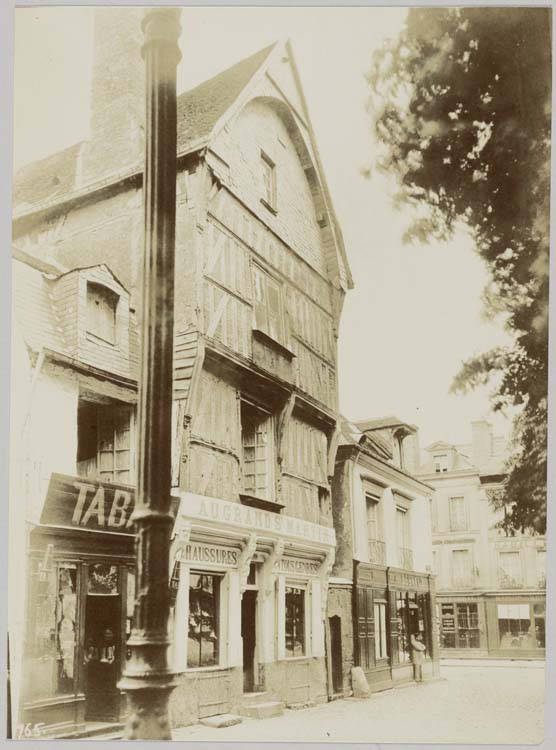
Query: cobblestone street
column 501, row 703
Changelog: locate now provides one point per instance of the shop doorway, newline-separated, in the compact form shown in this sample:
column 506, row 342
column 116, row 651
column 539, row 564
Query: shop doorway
column 101, row 652
column 249, row 636
column 335, row 624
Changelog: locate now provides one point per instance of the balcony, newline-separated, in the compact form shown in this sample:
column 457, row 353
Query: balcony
column 377, row 552
column 507, row 581
column 405, row 558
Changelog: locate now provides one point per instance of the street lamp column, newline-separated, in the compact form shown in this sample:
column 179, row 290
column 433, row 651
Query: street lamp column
column 148, row 678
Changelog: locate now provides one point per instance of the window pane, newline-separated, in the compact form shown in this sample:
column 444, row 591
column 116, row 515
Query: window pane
column 203, row 629
column 295, row 622
column 403, row 633
column 66, row 615
column 458, row 521
column 516, row 630
column 103, row 579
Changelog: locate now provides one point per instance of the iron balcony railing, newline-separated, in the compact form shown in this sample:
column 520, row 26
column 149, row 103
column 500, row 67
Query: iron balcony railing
column 507, row 581
column 377, row 552
column 405, row 558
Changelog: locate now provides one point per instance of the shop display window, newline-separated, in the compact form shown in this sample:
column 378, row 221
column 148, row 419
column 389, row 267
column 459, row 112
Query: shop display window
column 295, row 621
column 103, row 579
column 516, row 628
column 52, row 634
column 404, row 648
column 459, row 625
column 539, row 613
column 204, row 620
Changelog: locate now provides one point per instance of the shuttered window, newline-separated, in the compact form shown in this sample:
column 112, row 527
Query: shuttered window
column 365, row 627
column 101, row 312
column 104, row 442
column 461, row 567
column 458, row 515
column 268, row 307
column 256, row 433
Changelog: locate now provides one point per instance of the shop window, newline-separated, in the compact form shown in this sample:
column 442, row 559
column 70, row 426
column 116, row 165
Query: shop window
column 268, row 174
column 447, row 626
column 204, row 620
column 381, row 634
column 539, row 614
column 101, row 312
column 462, row 572
column 50, row 670
column 468, row 633
column 268, row 305
column 515, row 627
column 458, row 514
column 256, row 435
column 404, row 648
column 295, row 621
column 104, row 441
column 509, row 569
column 66, row 617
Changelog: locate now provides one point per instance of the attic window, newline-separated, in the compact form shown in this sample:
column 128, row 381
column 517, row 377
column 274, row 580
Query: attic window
column 101, row 312
column 441, row 463
column 268, row 172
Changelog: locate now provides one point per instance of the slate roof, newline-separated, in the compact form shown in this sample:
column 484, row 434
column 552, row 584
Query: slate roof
column 383, row 423
column 47, row 178
column 351, row 434
column 199, row 109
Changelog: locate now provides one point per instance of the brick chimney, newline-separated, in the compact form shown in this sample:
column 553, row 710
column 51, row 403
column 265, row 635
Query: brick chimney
column 481, row 442
column 118, row 95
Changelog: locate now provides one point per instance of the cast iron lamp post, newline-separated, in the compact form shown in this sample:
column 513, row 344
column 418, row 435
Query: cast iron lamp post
column 148, row 678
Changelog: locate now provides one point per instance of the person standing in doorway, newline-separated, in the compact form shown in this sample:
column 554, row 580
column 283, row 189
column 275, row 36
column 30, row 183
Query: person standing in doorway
column 418, row 649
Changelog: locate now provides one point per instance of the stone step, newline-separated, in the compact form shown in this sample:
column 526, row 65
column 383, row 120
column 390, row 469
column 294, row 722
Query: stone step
column 221, row 720
column 258, row 696
column 95, row 729
column 264, row 710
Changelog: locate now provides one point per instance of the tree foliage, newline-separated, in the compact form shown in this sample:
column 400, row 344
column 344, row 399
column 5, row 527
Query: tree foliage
column 461, row 108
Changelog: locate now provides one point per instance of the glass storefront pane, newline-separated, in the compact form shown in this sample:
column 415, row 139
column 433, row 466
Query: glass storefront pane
column 515, row 627
column 203, row 629
column 295, row 622
column 103, row 579
column 539, row 612
column 404, row 654
column 66, row 615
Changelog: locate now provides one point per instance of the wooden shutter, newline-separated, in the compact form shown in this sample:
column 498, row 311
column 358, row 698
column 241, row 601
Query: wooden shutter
column 261, row 319
column 274, row 310
column 365, row 627
column 393, row 627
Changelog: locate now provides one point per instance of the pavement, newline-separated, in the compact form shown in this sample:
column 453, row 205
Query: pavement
column 502, row 702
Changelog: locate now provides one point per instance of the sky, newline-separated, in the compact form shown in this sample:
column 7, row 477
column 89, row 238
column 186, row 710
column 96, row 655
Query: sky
column 415, row 313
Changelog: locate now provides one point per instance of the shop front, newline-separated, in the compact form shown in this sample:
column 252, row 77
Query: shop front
column 390, row 607
column 250, row 598
column 516, row 625
column 462, row 626
column 79, row 606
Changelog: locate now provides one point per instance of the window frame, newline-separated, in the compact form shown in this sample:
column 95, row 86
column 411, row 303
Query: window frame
column 217, row 617
column 270, row 470
column 112, row 299
column 459, row 520
column 269, row 199
column 94, row 468
column 440, row 460
column 263, row 313
column 469, row 582
column 302, row 588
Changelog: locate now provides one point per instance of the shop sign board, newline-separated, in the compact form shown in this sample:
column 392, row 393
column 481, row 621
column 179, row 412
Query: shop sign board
column 84, row 503
column 213, row 554
column 296, row 566
column 407, row 580
column 224, row 512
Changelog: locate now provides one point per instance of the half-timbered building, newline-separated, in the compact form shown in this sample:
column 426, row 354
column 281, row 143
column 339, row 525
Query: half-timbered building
column 261, row 274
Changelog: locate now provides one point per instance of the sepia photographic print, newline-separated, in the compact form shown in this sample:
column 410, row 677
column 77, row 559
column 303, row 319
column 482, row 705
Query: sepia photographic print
column 279, row 374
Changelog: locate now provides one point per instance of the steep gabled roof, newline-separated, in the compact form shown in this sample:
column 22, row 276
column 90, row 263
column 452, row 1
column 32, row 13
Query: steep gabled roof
column 200, row 108
column 383, row 423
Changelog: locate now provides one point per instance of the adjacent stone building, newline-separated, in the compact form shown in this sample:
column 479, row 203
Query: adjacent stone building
column 382, row 590
column 261, row 274
column 491, row 585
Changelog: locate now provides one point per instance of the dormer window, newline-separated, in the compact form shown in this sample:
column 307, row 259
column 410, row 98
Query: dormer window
column 101, row 312
column 441, row 463
column 268, row 170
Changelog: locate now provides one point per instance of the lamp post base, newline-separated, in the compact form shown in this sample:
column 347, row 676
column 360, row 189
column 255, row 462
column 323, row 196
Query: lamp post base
column 148, row 718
